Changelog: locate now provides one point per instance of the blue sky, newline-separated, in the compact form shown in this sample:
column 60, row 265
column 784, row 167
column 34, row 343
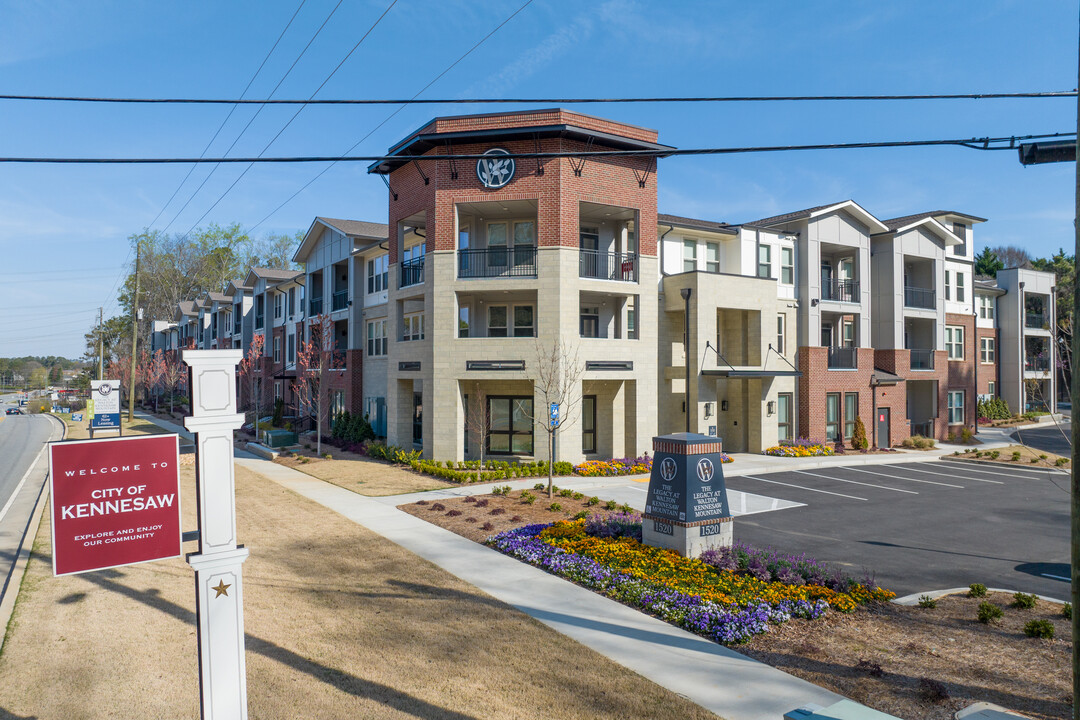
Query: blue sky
column 64, row 229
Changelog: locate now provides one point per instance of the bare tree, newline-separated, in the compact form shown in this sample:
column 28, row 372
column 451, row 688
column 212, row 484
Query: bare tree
column 557, row 384
column 315, row 359
column 173, row 373
column 249, row 366
column 1011, row 255
column 477, row 422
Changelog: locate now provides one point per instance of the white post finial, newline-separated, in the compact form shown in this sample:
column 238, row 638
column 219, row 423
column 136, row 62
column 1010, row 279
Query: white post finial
column 218, row 563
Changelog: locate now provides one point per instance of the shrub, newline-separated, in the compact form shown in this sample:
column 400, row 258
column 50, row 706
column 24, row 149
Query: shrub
column 965, row 435
column 503, row 490
column 279, row 413
column 932, row 690
column 421, row 502
column 482, row 502
column 577, row 496
column 988, row 612
column 872, row 668
column 951, row 437
column 498, row 511
column 995, row 454
column 580, row 515
column 1043, row 629
column 438, row 507
column 858, row 436
column 470, row 499
column 1042, row 456
column 555, row 507
column 527, row 497
column 611, row 505
column 516, row 518
column 993, row 409
column 470, row 520
column 918, row 442
column 614, row 467
column 594, row 500
column 626, row 508
column 487, row 526
column 539, row 486
column 1034, row 460
column 1066, row 610
column 453, row 513
column 976, row 590
column 925, row 601
column 1061, row 461
column 1016, row 456
column 566, row 492
column 1024, row 601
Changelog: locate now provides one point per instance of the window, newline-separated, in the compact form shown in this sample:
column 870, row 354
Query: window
column 689, row 255
column 780, row 333
column 465, row 409
column 213, row 326
column 378, row 273
column 290, row 349
column 764, row 261
column 497, row 243
column 463, row 321
column 376, row 338
column 948, row 285
column 954, row 341
column 986, row 307
column 991, row 386
column 590, row 322
column 413, row 327
column 589, row 238
column 278, row 297
column 418, row 419
column 277, row 390
column 956, row 407
column 291, row 310
column 463, row 237
column 259, row 305
column 959, row 286
column 712, row 257
column 237, row 316
column 414, row 253
column 496, row 321
column 783, row 416
column 277, row 349
column 787, row 265
column 511, row 431
column 832, row 416
column 228, row 322
column 523, row 321
column 337, row 404
column 960, row 231
column 851, row 412
column 631, row 323
column 588, row 424
column 988, row 349
column 524, row 240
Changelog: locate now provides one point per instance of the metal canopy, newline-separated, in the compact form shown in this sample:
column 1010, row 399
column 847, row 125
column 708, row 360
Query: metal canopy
column 733, row 373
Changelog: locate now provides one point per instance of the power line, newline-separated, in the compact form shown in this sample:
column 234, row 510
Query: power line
column 974, row 143
column 542, row 100
column 231, row 111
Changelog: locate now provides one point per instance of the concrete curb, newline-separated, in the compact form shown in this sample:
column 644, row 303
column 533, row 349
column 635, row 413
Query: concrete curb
column 1016, row 466
column 14, row 583
column 913, row 599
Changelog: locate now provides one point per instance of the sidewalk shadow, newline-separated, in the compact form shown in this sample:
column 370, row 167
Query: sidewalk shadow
column 5, row 715
column 342, row 681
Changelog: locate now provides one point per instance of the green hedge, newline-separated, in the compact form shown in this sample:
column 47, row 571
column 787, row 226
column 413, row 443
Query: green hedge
column 467, row 471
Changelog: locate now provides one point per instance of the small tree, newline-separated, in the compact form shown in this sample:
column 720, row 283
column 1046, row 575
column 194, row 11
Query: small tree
column 153, row 372
column 315, row 359
column 557, row 386
column 249, row 367
column 173, row 375
column 858, row 436
column 477, row 422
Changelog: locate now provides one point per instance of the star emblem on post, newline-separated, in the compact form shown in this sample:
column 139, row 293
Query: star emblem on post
column 221, row 589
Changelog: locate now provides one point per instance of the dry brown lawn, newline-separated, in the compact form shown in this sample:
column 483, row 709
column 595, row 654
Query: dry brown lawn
column 1029, row 457
column 79, row 431
column 877, row 656
column 340, row 622
column 361, row 474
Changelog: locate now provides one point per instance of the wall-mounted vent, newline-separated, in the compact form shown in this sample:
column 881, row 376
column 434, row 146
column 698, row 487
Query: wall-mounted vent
column 494, row 364
column 609, row 364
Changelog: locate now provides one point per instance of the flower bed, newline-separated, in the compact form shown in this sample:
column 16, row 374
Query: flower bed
column 616, row 466
column 802, row 447
column 729, row 606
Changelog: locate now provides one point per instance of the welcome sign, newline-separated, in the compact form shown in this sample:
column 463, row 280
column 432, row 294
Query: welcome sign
column 105, row 404
column 115, row 501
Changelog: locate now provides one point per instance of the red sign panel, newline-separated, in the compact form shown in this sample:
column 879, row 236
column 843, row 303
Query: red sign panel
column 115, row 501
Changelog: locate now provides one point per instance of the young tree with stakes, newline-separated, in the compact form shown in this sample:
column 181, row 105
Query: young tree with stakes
column 249, row 366
column 477, row 421
column 315, row 360
column 557, row 385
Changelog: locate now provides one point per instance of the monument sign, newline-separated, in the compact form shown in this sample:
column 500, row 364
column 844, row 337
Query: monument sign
column 104, row 405
column 687, row 509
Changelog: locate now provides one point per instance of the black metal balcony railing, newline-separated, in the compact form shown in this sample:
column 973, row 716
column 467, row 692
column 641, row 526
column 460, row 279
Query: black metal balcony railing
column 340, row 300
column 1035, row 320
column 1037, row 363
column 519, row 261
column 412, row 272
column 924, row 429
column 922, row 359
column 843, row 358
column 917, row 297
column 608, row 265
column 315, row 305
column 840, row 290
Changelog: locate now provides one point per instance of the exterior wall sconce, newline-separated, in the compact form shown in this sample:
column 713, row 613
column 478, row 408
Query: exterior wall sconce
column 723, row 405
column 771, row 407
column 708, row 409
column 813, row 302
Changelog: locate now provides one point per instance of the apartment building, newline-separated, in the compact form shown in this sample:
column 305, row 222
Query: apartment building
column 789, row 326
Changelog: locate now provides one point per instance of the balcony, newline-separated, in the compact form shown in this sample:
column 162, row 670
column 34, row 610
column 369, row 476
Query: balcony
column 843, row 358
column 315, row 305
column 412, row 272
column 840, row 290
column 922, row 359
column 339, row 301
column 1036, row 320
column 608, row 265
column 916, row 297
column 1037, row 363
column 520, row 261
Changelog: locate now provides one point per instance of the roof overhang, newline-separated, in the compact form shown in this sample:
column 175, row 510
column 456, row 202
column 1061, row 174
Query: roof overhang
column 853, row 208
column 729, row 230
column 749, row 373
column 421, row 144
column 961, row 216
column 934, row 226
column 884, row 377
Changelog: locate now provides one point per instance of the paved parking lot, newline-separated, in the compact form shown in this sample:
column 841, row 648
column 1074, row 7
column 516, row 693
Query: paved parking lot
column 922, row 525
column 1054, row 438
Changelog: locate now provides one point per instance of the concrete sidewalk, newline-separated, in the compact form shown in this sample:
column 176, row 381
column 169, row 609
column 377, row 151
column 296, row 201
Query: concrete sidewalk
column 721, row 680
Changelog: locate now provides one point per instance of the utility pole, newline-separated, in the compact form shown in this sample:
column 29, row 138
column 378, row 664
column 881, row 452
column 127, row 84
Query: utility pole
column 1074, row 397
column 134, row 334
column 101, row 343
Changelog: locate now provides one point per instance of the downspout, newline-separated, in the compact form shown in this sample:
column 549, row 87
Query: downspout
column 1022, row 323
column 978, row 356
column 661, row 243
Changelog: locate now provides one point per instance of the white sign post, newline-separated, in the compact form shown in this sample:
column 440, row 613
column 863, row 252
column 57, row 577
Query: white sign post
column 218, row 564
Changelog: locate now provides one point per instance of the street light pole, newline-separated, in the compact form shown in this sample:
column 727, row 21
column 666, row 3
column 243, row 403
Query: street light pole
column 685, row 292
column 1075, row 495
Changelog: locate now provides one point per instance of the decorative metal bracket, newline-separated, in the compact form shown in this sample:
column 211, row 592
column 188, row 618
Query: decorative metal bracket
column 453, row 165
column 539, row 161
column 578, row 164
column 386, row 180
column 643, row 176
column 427, row 180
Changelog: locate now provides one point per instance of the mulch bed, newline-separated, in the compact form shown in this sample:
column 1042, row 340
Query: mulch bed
column 912, row 662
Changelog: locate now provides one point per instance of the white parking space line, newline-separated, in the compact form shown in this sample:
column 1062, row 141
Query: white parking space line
column 953, row 475
column 802, row 487
column 1011, row 472
column 856, row 482
column 1056, row 577
column 901, row 477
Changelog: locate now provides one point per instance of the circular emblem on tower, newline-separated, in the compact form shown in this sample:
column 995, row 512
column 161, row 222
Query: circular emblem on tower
column 705, row 470
column 668, row 469
column 495, row 170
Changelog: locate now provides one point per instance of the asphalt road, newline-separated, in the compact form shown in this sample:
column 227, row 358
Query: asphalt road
column 22, row 438
column 922, row 526
column 1053, row 438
